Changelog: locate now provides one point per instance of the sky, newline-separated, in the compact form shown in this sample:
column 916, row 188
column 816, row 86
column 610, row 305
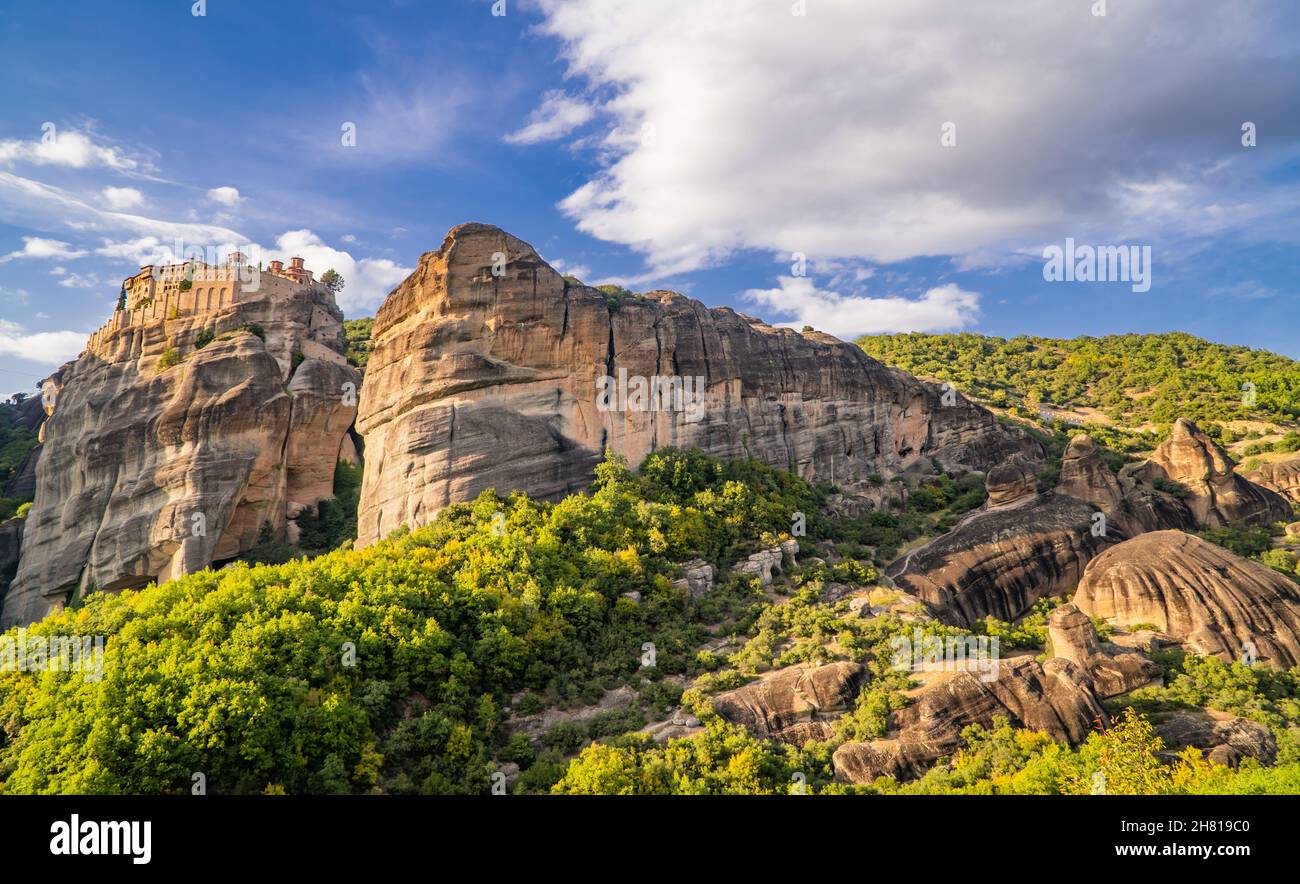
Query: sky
column 860, row 166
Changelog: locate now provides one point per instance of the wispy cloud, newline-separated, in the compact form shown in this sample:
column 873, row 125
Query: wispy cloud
column 558, row 115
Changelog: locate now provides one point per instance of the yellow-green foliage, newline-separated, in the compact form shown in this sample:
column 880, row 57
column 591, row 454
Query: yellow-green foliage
column 243, row 674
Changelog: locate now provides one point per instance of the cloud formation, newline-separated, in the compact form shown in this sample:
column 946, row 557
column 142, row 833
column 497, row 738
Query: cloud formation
column 119, row 198
column 41, row 248
column 558, row 115
column 941, row 309
column 45, row 348
column 72, row 149
column 734, row 125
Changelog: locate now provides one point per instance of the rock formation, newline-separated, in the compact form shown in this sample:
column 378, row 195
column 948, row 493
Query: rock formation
column 1130, row 506
column 1214, row 602
column 1224, row 742
column 1218, row 495
column 1111, row 669
column 489, row 370
column 794, row 704
column 999, row 561
column 150, row 470
column 1050, row 697
column 1282, row 477
column 1010, row 481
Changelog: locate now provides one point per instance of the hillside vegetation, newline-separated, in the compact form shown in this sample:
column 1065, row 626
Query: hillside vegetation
column 405, row 667
column 1131, row 380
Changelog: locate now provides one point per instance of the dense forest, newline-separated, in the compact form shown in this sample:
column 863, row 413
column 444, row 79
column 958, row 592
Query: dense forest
column 408, row 666
column 1131, row 380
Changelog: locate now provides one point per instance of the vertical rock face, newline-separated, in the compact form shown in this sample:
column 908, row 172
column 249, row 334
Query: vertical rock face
column 1218, row 494
column 1214, row 602
column 487, row 371
column 149, row 471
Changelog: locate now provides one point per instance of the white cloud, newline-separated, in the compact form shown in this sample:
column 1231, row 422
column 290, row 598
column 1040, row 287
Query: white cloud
column 29, row 203
column 39, row 247
column 226, row 196
column 564, row 268
column 138, row 251
column 736, row 125
column 119, row 198
column 558, row 115
column 46, row 348
column 944, row 308
column 87, row 281
column 73, row 149
column 367, row 280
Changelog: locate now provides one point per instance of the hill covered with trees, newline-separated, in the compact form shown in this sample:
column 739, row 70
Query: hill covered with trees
column 1129, row 380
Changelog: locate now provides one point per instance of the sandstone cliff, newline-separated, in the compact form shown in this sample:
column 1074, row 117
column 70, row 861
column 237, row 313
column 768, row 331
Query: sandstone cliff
column 1214, row 602
column 486, row 372
column 148, row 471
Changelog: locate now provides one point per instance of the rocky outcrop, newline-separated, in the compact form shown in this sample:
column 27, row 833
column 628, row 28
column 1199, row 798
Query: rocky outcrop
column 1217, row 494
column 1282, row 477
column 795, row 704
column 488, row 371
column 999, row 561
column 1050, row 697
column 150, row 470
column 697, row 578
column 1224, row 742
column 1110, row 669
column 1212, row 601
column 1010, row 481
column 1132, row 507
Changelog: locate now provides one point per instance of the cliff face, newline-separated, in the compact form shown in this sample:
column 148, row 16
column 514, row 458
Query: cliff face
column 148, row 471
column 485, row 379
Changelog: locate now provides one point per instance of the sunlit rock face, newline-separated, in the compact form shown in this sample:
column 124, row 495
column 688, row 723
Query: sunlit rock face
column 1217, row 494
column 1212, row 601
column 149, row 470
column 488, row 370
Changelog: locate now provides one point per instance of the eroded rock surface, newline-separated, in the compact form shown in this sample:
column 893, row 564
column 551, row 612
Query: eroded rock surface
column 147, row 471
column 1111, row 669
column 1224, row 742
column 1050, row 697
column 794, row 704
column 1132, row 507
column 1212, row 601
column 487, row 366
column 999, row 561
column 1218, row 495
column 1282, row 477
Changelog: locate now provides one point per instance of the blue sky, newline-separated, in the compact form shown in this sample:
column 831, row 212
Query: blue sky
column 696, row 146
